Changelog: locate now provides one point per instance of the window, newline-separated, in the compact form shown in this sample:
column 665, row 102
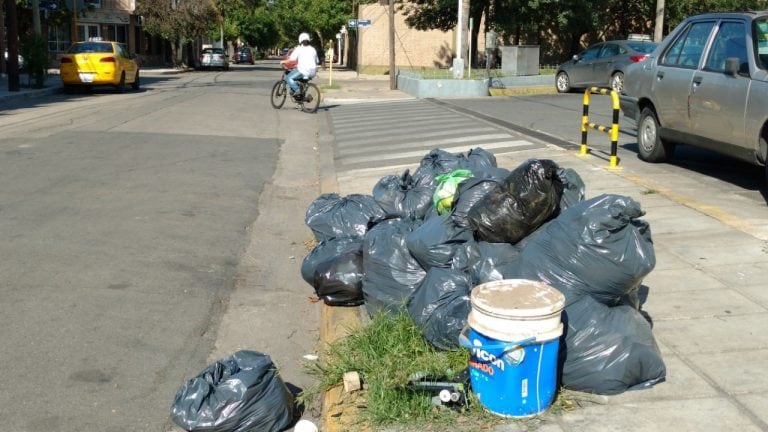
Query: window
column 730, row 41
column 117, row 33
column 609, row 50
column 590, row 53
column 760, row 30
column 87, row 31
column 58, row 38
column 688, row 49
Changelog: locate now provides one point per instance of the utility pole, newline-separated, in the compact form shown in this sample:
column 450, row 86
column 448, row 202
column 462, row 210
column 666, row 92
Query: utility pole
column 73, row 30
column 659, row 29
column 36, row 17
column 392, row 74
column 13, row 46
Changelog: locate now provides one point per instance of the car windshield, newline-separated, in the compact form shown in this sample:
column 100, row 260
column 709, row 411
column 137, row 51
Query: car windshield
column 761, row 42
column 213, row 51
column 90, row 47
column 643, row 47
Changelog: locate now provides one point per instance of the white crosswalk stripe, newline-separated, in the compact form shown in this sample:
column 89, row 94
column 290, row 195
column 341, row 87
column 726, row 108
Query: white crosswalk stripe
column 395, row 133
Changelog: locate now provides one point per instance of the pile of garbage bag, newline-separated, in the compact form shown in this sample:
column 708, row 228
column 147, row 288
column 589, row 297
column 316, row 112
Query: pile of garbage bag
column 420, row 242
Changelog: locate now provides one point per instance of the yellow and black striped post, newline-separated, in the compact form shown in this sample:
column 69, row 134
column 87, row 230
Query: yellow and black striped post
column 614, row 128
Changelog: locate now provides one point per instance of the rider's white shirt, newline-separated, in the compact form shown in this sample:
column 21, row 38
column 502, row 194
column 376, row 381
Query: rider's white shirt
column 306, row 57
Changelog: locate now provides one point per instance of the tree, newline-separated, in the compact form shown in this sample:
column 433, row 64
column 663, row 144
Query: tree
column 178, row 21
column 323, row 18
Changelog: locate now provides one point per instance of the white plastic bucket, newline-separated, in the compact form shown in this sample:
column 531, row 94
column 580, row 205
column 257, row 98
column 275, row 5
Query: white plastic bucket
column 513, row 337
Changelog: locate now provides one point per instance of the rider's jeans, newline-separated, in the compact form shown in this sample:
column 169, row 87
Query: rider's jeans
column 291, row 79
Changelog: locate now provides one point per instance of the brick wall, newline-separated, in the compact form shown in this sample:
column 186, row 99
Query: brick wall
column 413, row 48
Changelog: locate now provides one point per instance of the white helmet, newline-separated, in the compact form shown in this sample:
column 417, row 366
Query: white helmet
column 303, row 37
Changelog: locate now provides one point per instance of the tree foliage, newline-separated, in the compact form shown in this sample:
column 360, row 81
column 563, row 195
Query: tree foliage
column 570, row 24
column 177, row 20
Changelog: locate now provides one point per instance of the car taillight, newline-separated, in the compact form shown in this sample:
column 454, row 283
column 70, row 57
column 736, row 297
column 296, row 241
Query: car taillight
column 637, row 58
column 107, row 60
column 65, row 60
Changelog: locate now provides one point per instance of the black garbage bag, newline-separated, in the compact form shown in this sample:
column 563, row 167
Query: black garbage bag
column 402, row 197
column 474, row 189
column 239, row 393
column 479, row 159
column 574, row 190
column 437, row 242
column 334, row 268
column 440, row 306
column 598, row 247
column 609, row 350
column 437, row 162
column 391, row 272
column 491, row 261
column 510, row 212
column 331, row 216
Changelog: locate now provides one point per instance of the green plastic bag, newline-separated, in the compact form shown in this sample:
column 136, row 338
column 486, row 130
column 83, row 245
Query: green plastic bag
column 447, row 186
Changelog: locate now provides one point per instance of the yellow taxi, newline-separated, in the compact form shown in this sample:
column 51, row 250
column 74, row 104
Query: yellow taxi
column 97, row 62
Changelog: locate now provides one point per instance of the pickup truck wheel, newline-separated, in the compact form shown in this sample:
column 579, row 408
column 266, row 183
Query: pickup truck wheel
column 563, row 83
column 650, row 146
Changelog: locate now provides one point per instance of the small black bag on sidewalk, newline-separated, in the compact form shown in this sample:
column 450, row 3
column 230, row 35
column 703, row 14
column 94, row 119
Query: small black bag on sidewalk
column 239, row 393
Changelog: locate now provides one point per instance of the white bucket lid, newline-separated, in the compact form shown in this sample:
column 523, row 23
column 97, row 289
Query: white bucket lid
column 517, row 298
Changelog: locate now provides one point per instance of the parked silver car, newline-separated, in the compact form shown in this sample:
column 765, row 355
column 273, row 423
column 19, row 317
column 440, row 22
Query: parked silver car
column 602, row 64
column 706, row 86
column 214, row 58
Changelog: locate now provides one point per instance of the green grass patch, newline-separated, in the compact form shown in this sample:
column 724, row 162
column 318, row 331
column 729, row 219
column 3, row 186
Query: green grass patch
column 334, row 86
column 386, row 352
column 648, row 192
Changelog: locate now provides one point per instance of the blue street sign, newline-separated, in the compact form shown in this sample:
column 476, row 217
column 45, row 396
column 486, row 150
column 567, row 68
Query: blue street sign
column 364, row 23
column 352, row 23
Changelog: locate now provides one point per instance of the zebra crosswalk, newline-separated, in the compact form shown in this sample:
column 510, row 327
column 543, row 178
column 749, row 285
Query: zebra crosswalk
column 385, row 134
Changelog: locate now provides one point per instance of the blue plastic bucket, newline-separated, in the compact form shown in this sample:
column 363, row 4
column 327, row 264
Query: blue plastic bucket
column 514, row 338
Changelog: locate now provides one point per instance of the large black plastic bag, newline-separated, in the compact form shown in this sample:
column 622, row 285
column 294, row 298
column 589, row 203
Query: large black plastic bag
column 440, row 306
column 510, row 212
column 437, row 242
column 491, row 261
column 437, row 162
column 479, row 159
column 391, row 272
column 474, row 189
column 574, row 190
column 331, row 216
column 598, row 247
column 334, row 268
column 402, row 197
column 609, row 349
column 241, row 392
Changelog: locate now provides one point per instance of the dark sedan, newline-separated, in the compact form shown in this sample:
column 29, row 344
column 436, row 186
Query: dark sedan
column 602, row 65
column 243, row 55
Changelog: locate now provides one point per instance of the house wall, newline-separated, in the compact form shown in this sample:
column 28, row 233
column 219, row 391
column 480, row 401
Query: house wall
column 413, row 48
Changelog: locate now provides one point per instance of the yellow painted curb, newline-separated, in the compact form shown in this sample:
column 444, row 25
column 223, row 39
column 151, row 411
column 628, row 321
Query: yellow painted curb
column 336, row 323
column 512, row 91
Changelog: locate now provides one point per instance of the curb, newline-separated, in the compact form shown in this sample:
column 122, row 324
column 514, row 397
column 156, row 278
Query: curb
column 335, row 321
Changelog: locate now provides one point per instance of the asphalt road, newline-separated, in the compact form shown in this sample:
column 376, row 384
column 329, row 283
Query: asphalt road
column 125, row 219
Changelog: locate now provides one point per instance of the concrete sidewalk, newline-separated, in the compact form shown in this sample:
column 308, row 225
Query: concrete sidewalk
column 706, row 298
